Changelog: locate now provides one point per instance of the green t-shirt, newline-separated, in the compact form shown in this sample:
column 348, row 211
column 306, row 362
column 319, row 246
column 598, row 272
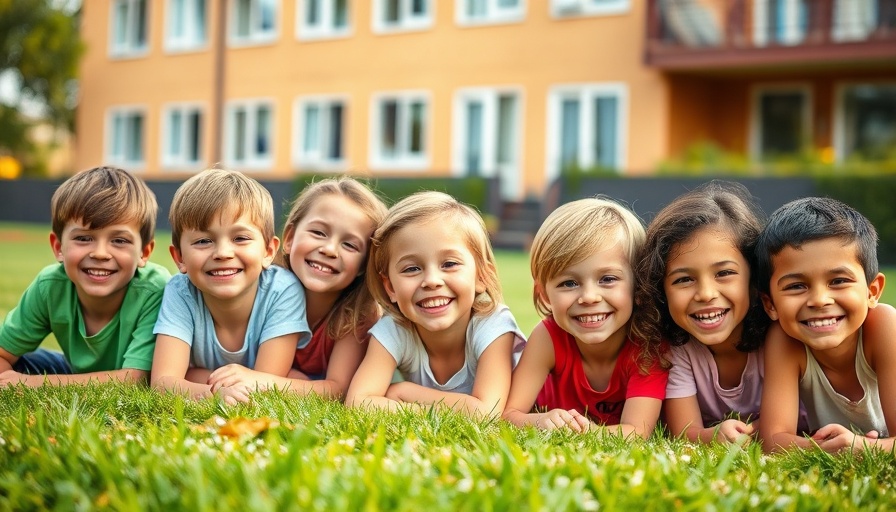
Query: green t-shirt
column 50, row 304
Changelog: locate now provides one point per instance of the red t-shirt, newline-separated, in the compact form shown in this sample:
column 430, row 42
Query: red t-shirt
column 312, row 360
column 567, row 387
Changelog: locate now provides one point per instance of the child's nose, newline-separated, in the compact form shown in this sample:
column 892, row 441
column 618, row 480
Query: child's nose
column 819, row 297
column 706, row 291
column 590, row 294
column 99, row 252
column 223, row 250
column 432, row 279
column 328, row 248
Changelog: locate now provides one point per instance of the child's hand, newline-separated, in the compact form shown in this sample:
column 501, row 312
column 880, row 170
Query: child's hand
column 238, row 375
column 233, row 394
column 558, row 418
column 734, row 431
column 833, row 438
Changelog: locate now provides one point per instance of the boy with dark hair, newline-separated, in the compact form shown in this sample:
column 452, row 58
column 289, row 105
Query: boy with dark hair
column 102, row 301
column 818, row 275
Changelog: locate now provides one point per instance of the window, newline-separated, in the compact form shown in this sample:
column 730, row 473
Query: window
column 182, row 137
column 399, row 131
column 186, row 25
column 253, row 21
column 322, row 19
column 124, row 136
column 476, row 12
column 320, row 132
column 866, row 124
column 564, row 8
column 781, row 121
column 129, row 28
column 486, row 136
column 586, row 127
column 782, row 22
column 400, row 15
column 249, row 136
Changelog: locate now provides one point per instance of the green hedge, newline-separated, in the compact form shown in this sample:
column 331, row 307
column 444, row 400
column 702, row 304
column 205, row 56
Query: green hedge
column 875, row 197
column 470, row 190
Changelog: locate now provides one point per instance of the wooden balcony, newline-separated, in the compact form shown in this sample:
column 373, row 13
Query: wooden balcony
column 697, row 35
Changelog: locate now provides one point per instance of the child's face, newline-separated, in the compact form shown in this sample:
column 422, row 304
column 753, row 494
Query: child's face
column 101, row 262
column 707, row 286
column 432, row 278
column 593, row 299
column 328, row 246
column 225, row 260
column 819, row 293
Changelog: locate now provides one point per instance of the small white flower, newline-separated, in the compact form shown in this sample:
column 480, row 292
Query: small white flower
column 805, row 489
column 562, row 481
column 637, row 478
column 465, row 485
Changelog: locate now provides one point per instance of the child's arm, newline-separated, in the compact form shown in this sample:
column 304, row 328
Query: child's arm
column 10, row 376
column 528, row 379
column 371, row 381
column 169, row 366
column 272, row 363
column 490, row 386
column 639, row 417
column 780, row 406
column 683, row 418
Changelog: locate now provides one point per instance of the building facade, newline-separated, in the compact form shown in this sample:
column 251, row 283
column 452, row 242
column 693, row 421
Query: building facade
column 518, row 89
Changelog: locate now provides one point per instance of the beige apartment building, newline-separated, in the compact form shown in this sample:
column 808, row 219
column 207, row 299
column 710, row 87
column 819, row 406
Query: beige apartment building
column 518, row 89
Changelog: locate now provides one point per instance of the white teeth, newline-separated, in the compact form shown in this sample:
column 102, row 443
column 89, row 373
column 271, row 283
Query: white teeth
column 709, row 318
column 225, row 272
column 821, row 322
column 592, row 319
column 99, row 273
column 318, row 266
column 435, row 303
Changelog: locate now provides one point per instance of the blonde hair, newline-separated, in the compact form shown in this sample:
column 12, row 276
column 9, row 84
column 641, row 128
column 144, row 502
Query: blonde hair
column 103, row 196
column 577, row 230
column 355, row 307
column 214, row 192
column 423, row 207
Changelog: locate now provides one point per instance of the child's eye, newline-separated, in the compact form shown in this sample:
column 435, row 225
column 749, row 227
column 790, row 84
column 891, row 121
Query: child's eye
column 569, row 283
column 242, row 238
column 352, row 247
column 202, row 242
column 608, row 280
column 450, row 264
column 121, row 241
column 318, row 233
column 682, row 280
column 726, row 273
column 83, row 238
column 839, row 281
column 410, row 269
column 794, row 287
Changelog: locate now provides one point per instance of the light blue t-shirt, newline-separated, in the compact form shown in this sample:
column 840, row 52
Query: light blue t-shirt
column 279, row 309
column 407, row 348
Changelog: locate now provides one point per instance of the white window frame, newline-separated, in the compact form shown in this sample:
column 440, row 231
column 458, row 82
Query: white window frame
column 251, row 158
column 326, row 28
column 794, row 33
column 495, row 13
column 194, row 37
column 255, row 36
column 318, row 159
column 407, row 22
column 575, row 8
column 755, row 137
column 838, row 126
column 489, row 97
column 112, row 131
column 169, row 159
column 130, row 47
column 584, row 93
column 404, row 160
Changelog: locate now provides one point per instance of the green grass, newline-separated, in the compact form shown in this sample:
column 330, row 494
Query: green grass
column 124, row 447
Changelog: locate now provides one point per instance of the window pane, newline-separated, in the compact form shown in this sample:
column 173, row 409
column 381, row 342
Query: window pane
column 569, row 133
column 200, row 20
column 312, row 122
column 506, row 116
column 340, row 13
column 416, row 142
column 263, row 131
column 239, row 135
column 605, row 132
column 335, row 150
column 508, row 3
column 781, row 123
column 476, row 8
column 140, row 21
column 312, row 13
column 121, row 23
column 176, row 134
column 118, row 136
column 418, row 7
column 392, row 13
column 178, row 19
column 474, row 138
column 134, row 148
column 389, row 128
column 870, row 122
column 194, row 133
column 267, row 15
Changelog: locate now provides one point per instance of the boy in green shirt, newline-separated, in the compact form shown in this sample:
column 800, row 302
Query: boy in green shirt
column 101, row 303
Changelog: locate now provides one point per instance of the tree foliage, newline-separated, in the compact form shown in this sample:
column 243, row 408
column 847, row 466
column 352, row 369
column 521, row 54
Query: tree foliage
column 41, row 46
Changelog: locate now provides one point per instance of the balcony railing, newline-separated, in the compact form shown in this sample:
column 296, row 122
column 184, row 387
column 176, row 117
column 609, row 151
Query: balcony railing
column 694, row 34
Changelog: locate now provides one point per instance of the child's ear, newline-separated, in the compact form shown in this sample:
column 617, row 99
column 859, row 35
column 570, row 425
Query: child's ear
column 543, row 297
column 875, row 289
column 287, row 239
column 56, row 246
column 387, row 284
column 273, row 247
column 769, row 306
column 145, row 253
column 178, row 259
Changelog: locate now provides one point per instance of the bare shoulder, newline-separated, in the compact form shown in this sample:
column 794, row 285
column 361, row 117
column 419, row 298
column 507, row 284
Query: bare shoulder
column 879, row 334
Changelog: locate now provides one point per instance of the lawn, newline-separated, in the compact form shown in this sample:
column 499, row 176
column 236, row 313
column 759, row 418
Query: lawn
column 127, row 447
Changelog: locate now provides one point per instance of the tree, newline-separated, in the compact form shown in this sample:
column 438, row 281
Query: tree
column 41, row 48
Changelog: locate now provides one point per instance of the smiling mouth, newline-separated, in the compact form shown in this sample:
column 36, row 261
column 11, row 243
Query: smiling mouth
column 96, row 272
column 822, row 322
column 321, row 268
column 436, row 302
column 224, row 272
column 592, row 319
column 710, row 318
